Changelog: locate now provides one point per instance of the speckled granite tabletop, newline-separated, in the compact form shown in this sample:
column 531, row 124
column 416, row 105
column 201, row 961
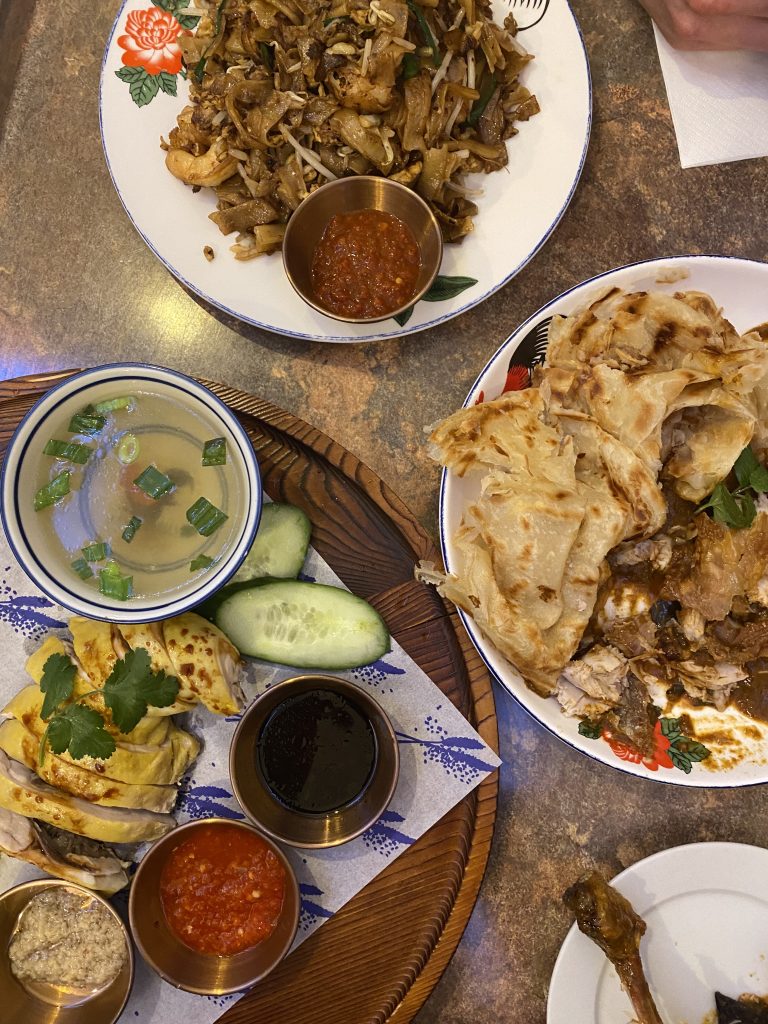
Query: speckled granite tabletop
column 78, row 286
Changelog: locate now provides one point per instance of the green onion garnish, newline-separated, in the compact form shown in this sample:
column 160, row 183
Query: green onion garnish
column 215, row 452
column 201, row 562
column 96, row 552
column 487, row 90
column 82, row 568
column 113, row 404
column 112, row 583
column 130, row 529
column 128, row 449
column 426, row 32
column 70, row 451
column 205, row 517
column 86, row 423
column 57, row 489
column 154, row 483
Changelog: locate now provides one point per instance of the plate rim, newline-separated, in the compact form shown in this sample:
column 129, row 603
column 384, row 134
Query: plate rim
column 339, row 339
column 684, row 851
column 694, row 780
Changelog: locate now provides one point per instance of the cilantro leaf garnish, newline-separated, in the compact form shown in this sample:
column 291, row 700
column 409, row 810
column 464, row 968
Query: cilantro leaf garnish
column 132, row 686
column 57, row 683
column 80, row 730
column 737, row 508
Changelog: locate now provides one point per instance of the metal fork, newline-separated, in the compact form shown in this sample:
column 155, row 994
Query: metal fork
column 528, row 12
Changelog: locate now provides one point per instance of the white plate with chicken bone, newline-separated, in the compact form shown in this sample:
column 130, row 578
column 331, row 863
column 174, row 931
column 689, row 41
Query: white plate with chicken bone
column 705, row 909
column 145, row 88
column 626, row 622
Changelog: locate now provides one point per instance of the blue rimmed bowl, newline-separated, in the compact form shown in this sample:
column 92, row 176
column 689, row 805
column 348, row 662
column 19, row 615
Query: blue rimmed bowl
column 34, row 542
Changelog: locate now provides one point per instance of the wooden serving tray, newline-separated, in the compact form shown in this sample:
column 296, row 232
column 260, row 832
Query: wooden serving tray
column 378, row 958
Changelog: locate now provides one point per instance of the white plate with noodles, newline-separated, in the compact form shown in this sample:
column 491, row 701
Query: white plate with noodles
column 144, row 88
column 736, row 744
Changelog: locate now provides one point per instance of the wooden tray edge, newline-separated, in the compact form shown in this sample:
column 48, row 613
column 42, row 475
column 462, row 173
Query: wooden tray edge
column 483, row 705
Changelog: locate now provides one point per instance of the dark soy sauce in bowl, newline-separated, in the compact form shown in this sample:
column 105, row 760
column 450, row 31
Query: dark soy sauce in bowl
column 317, row 752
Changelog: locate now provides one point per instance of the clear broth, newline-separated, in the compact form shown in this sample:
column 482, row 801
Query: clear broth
column 103, row 497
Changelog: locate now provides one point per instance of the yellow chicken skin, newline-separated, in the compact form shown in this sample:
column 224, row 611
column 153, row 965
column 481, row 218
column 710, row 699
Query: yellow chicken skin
column 21, row 791
column 153, row 764
column 207, row 665
column 149, row 635
column 149, row 730
column 22, row 745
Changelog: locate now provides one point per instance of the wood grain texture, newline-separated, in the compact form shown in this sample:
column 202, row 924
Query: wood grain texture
column 377, row 960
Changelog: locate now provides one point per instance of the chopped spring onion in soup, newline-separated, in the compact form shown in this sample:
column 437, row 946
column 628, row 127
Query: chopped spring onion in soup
column 86, row 423
column 113, row 404
column 52, row 492
column 128, row 449
column 205, row 517
column 82, row 568
column 112, row 583
column 70, row 451
column 215, row 452
column 96, row 552
column 154, row 483
column 130, row 529
column 145, row 473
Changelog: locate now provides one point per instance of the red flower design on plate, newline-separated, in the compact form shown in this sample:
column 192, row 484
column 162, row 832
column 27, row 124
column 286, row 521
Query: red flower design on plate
column 627, row 752
column 151, row 41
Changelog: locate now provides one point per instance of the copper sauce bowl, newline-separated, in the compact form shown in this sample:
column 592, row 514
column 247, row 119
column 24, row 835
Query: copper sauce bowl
column 297, row 828
column 186, row 968
column 39, row 1003
column 346, row 195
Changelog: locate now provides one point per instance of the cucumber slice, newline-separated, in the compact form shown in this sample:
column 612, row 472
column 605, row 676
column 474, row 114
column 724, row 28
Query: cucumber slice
column 280, row 546
column 307, row 625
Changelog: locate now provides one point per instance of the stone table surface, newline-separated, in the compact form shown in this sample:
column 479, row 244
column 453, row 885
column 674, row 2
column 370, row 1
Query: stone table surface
column 78, row 287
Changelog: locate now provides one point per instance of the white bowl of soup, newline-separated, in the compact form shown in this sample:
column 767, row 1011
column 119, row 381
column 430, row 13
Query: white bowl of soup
column 130, row 492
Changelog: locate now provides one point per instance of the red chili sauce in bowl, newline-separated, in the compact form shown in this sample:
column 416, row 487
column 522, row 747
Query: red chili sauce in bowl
column 222, row 890
column 365, row 265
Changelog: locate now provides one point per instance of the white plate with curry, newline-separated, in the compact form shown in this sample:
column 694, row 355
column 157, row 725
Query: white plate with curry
column 691, row 743
column 143, row 89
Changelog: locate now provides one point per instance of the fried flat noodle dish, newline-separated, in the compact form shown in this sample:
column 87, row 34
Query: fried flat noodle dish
column 606, row 917
column 286, row 95
column 588, row 557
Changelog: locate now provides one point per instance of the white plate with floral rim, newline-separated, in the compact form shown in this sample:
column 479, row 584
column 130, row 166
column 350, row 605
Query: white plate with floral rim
column 142, row 91
column 738, row 749
column 706, row 910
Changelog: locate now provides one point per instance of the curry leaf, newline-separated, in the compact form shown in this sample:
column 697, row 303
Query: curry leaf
column 758, row 479
column 448, row 287
column 57, row 683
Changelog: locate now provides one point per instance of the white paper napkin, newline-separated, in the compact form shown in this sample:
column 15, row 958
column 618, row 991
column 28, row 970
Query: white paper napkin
column 719, row 103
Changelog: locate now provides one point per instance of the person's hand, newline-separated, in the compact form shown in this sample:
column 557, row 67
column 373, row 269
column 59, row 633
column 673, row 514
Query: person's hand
column 712, row 24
